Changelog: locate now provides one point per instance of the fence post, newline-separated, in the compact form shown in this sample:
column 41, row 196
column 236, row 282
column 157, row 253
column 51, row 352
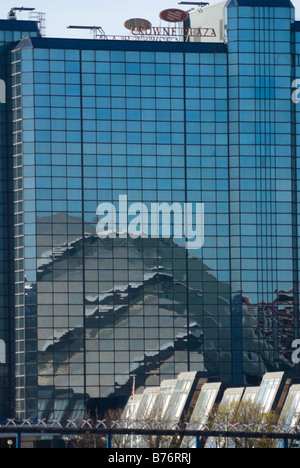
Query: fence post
column 286, row 443
column 19, row 441
column 198, row 444
column 108, row 441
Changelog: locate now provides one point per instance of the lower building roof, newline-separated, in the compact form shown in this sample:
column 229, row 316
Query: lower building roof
column 94, row 44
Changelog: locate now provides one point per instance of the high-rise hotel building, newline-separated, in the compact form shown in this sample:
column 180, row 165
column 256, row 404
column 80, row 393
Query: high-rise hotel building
column 205, row 120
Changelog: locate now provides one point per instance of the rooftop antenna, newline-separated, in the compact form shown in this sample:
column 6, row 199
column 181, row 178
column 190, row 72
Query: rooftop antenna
column 98, row 31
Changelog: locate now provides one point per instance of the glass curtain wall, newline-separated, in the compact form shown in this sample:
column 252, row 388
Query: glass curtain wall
column 10, row 33
column 262, row 239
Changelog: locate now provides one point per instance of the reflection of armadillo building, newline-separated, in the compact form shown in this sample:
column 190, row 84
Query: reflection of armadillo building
column 133, row 318
column 89, row 121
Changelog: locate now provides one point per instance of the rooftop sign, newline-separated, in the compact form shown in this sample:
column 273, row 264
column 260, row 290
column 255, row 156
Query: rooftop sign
column 137, row 23
column 174, row 33
column 174, row 16
column 158, row 34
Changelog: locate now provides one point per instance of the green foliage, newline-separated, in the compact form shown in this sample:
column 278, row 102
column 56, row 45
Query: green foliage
column 244, row 413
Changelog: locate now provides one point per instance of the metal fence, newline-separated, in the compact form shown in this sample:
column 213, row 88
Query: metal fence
column 109, row 428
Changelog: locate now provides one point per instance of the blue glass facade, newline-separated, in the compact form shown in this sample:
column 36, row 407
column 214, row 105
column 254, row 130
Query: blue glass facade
column 9, row 34
column 261, row 178
column 159, row 123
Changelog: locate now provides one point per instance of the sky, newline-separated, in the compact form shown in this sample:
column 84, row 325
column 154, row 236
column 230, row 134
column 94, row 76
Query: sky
column 110, row 14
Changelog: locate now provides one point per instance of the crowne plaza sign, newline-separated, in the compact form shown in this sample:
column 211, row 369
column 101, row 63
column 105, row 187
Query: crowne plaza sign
column 174, row 32
column 178, row 28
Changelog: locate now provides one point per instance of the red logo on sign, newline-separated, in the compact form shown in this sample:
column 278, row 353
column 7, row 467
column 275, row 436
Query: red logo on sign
column 174, row 16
